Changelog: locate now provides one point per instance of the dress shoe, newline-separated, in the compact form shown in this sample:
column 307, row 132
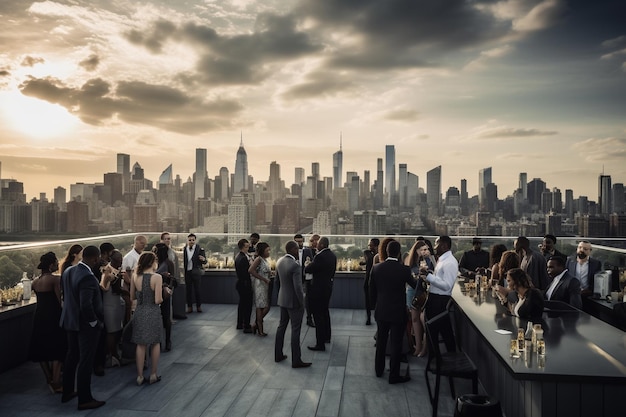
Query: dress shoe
column 301, row 365
column 247, row 330
column 68, row 397
column 327, row 341
column 189, row 310
column 280, row 359
column 168, row 345
column 90, row 405
column 309, row 322
column 399, row 380
column 199, row 309
column 239, row 327
column 319, row 348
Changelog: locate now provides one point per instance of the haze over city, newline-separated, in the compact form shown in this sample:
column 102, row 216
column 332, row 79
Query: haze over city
column 521, row 86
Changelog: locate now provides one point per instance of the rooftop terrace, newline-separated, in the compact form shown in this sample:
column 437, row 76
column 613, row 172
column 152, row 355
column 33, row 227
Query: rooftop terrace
column 216, row 370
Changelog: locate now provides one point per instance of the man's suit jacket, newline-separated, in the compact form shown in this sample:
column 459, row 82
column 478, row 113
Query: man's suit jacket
column 323, row 269
column 595, row 266
column 291, row 294
column 195, row 259
column 242, row 264
column 387, row 290
column 533, row 306
column 537, row 270
column 568, row 291
column 82, row 301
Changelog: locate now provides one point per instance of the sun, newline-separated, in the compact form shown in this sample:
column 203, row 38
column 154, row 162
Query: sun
column 35, row 118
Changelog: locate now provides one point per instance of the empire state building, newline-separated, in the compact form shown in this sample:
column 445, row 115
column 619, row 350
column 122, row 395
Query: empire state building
column 240, row 181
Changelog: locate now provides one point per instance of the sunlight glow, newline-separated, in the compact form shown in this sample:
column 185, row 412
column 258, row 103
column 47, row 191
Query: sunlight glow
column 36, row 118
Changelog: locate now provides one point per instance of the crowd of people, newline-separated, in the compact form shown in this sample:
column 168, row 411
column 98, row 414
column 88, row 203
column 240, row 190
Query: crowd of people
column 103, row 301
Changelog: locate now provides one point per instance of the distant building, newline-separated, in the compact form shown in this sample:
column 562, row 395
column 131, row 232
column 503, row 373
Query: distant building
column 433, row 191
column 200, row 175
column 605, row 200
column 370, row 223
column 338, row 165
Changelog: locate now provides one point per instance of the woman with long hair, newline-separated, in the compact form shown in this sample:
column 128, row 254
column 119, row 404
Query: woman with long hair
column 495, row 255
column 530, row 299
column 509, row 260
column 382, row 251
column 146, row 288
column 261, row 271
column 419, row 253
column 48, row 344
column 74, row 255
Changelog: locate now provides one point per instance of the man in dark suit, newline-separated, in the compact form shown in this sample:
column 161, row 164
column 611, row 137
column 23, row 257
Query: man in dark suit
column 323, row 269
column 82, row 318
column 564, row 287
column 532, row 262
column 584, row 267
column 291, row 302
column 387, row 287
column 193, row 259
column 474, row 260
column 243, row 286
column 368, row 255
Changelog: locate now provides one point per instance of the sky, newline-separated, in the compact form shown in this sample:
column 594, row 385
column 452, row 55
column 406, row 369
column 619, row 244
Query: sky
column 536, row 86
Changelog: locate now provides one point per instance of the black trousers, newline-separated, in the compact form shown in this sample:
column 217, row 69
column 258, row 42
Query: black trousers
column 192, row 286
column 81, row 351
column 368, row 300
column 437, row 304
column 307, row 301
column 397, row 330
column 319, row 306
column 244, row 308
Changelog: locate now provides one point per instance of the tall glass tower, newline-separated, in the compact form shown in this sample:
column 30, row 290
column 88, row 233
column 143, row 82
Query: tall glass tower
column 338, row 164
column 433, row 191
column 390, row 172
column 200, row 176
column 240, row 182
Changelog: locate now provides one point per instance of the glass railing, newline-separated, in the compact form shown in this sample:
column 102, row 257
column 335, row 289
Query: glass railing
column 15, row 259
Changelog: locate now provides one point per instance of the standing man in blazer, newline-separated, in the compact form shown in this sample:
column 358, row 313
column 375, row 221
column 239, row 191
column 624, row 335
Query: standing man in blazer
column 193, row 259
column 291, row 302
column 243, row 286
column 387, row 289
column 533, row 263
column 584, row 267
column 323, row 269
column 304, row 254
column 82, row 318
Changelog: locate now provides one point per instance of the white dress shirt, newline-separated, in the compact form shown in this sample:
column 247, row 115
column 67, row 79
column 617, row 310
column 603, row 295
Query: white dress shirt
column 443, row 277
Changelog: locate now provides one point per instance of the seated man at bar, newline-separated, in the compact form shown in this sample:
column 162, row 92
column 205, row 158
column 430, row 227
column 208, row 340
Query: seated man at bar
column 564, row 287
column 584, row 267
column 474, row 260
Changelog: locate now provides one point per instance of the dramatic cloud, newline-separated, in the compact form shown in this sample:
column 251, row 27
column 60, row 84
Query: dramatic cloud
column 31, row 61
column 510, row 132
column 96, row 102
column 233, row 59
column 320, row 84
column 90, row 63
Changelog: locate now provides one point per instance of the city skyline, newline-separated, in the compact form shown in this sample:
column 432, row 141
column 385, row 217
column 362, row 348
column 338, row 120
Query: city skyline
column 519, row 86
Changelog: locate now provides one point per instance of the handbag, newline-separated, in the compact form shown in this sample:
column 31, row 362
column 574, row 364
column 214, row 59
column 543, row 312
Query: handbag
column 421, row 295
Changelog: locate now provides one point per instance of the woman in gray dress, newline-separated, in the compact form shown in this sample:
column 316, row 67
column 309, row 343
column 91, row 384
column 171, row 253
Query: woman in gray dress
column 146, row 288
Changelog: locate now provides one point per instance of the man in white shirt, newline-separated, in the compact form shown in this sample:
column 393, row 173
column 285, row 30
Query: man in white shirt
column 128, row 266
column 584, row 267
column 441, row 281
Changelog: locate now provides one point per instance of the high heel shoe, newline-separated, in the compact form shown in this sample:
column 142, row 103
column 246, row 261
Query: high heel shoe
column 259, row 328
column 140, row 380
column 154, row 379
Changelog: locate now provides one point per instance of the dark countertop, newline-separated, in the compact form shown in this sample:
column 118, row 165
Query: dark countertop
column 18, row 308
column 578, row 345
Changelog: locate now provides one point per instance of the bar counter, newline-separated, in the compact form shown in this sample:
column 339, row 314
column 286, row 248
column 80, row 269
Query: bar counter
column 582, row 374
column 16, row 322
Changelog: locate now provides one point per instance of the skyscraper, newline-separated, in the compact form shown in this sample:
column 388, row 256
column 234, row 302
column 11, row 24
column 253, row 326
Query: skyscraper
column 378, row 196
column 390, row 172
column 299, row 176
column 484, row 178
column 338, row 164
column 123, row 167
column 240, row 182
column 315, row 170
column 433, row 191
column 224, row 176
column 402, row 184
column 604, row 194
column 523, row 184
column 618, row 198
column 200, row 176
column 166, row 176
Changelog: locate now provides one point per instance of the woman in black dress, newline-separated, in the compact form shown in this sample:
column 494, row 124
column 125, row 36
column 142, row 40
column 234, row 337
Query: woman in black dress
column 48, row 343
